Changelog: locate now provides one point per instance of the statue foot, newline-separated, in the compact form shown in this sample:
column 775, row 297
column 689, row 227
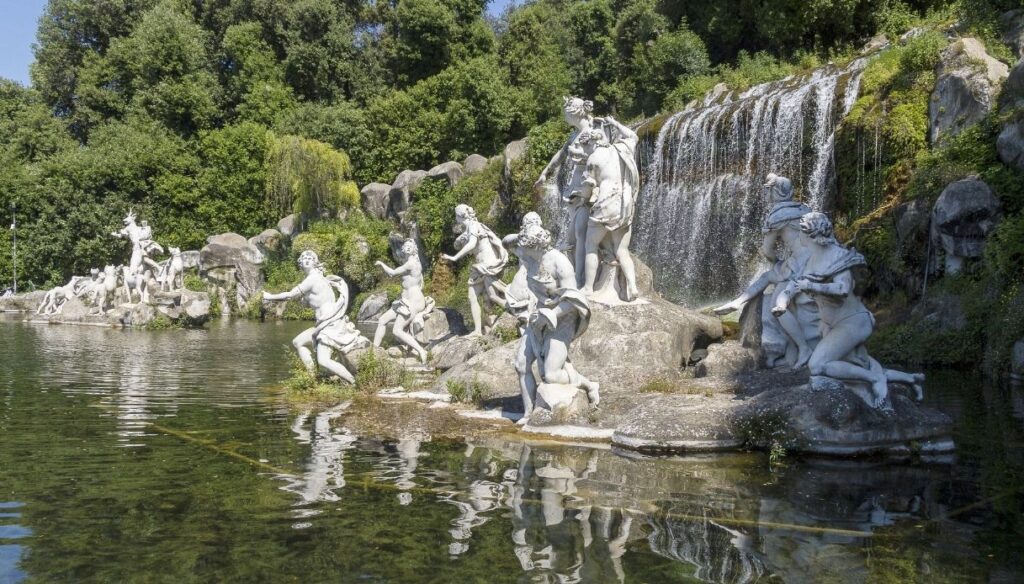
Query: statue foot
column 474, row 334
column 802, row 358
column 881, row 391
column 593, row 395
column 523, row 421
column 918, row 386
column 587, row 291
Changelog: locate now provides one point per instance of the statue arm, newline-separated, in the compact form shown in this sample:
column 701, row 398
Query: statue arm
column 295, row 292
column 387, row 269
column 466, row 249
column 841, row 285
column 627, row 133
column 555, row 161
column 756, row 287
column 782, row 302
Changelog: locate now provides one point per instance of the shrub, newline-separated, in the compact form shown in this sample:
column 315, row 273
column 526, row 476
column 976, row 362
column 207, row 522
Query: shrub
column 375, row 372
column 462, row 392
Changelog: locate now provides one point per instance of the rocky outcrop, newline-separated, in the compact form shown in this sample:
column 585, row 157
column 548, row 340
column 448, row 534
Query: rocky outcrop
column 400, row 196
column 726, row 360
column 964, row 215
column 372, row 307
column 24, row 302
column 374, row 199
column 441, row 324
column 1012, row 25
column 473, row 164
column 967, row 82
column 290, row 226
column 450, row 171
column 1010, row 143
column 268, row 241
column 229, row 261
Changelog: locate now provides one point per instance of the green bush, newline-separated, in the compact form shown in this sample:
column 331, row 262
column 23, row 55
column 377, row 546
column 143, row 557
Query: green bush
column 467, row 393
column 375, row 372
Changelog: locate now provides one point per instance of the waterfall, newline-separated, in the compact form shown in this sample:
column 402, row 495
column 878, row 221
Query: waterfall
column 699, row 213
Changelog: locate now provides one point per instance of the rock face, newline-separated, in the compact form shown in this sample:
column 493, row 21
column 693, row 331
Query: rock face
column 1012, row 25
column 25, row 302
column 473, row 164
column 441, row 324
column 726, row 360
column 269, row 240
column 1010, row 144
column 230, row 260
column 450, row 171
column 968, row 80
column 374, row 198
column 402, row 190
column 624, row 347
column 373, row 306
column 965, row 214
column 290, row 226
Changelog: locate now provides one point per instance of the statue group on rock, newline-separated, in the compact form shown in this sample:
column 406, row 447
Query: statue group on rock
column 103, row 289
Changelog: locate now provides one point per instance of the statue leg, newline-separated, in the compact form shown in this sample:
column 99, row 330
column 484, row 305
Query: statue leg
column 620, row 243
column 326, row 360
column 579, row 230
column 382, row 326
column 474, row 308
column 595, row 234
column 795, row 332
column 302, row 342
column 915, row 380
column 827, row 360
column 403, row 335
column 527, row 382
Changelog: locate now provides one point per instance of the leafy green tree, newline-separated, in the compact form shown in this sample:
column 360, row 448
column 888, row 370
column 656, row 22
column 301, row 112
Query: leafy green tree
column 255, row 78
column 232, row 179
column 309, row 177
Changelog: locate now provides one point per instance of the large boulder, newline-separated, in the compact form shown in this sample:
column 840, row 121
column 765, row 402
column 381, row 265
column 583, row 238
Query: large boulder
column 190, row 259
column 964, row 215
column 374, row 198
column 967, row 82
column 441, row 324
column 727, row 359
column 1010, row 143
column 450, row 171
column 290, row 226
column 1012, row 25
column 372, row 307
column 25, row 302
column 229, row 260
column 269, row 240
column 195, row 307
column 473, row 164
column 400, row 196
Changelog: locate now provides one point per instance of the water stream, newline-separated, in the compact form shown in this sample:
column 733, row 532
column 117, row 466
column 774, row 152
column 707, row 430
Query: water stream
column 700, row 209
column 169, row 456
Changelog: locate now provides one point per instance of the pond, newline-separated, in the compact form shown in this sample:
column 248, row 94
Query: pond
column 169, row 456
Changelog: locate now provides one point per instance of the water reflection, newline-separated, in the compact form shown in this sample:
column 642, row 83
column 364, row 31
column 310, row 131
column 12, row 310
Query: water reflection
column 221, row 463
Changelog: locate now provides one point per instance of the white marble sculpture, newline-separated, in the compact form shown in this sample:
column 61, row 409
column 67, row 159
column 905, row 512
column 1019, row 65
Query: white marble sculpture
column 54, row 300
column 840, row 358
column 490, row 258
column 171, row 275
column 519, row 301
column 108, row 291
column 141, row 238
column 333, row 330
column 408, row 312
column 790, row 337
column 559, row 314
column 135, row 282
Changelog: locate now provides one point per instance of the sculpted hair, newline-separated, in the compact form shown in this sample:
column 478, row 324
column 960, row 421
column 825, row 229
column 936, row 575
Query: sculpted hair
column 577, row 106
column 818, row 227
column 535, row 237
column 310, row 255
column 409, row 248
column 531, row 218
column 465, row 212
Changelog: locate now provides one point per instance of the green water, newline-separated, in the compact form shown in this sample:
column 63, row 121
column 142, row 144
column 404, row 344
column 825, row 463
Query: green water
column 164, row 457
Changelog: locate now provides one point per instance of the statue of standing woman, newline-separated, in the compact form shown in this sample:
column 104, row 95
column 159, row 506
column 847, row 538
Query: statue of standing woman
column 490, row 260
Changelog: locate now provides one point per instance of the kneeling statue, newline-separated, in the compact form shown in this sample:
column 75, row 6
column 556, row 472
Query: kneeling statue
column 333, row 330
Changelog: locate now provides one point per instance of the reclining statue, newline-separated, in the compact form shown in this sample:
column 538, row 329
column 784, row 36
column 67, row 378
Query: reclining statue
column 333, row 330
column 491, row 258
column 840, row 358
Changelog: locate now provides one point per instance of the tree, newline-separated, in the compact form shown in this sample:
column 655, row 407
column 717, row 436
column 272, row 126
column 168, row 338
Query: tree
column 309, row 177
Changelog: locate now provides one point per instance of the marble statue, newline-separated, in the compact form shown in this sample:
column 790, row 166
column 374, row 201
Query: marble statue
column 141, row 238
column 789, row 337
column 578, row 113
column 519, row 301
column 333, row 331
column 107, row 292
column 55, row 298
column 408, row 312
column 559, row 314
column 171, row 276
column 135, row 282
column 609, row 188
column 840, row 357
column 490, row 260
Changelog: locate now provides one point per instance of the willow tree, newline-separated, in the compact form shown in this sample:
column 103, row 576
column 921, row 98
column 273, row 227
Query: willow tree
column 309, row 177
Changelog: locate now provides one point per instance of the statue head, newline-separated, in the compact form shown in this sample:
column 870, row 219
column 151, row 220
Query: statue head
column 779, row 188
column 817, row 227
column 534, row 237
column 174, row 251
column 464, row 212
column 129, row 219
column 531, row 218
column 575, row 109
column 409, row 249
column 309, row 261
column 94, row 272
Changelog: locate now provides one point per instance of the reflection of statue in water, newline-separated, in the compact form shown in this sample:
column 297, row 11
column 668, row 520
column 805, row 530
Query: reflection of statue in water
column 491, row 257
column 141, row 238
column 845, row 322
column 333, row 330
column 791, row 335
column 560, row 316
column 325, row 469
column 409, row 311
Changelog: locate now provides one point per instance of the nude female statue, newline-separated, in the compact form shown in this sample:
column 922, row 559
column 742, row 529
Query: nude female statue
column 578, row 113
column 491, row 258
column 609, row 189
column 560, row 315
column 333, row 330
column 845, row 322
column 409, row 311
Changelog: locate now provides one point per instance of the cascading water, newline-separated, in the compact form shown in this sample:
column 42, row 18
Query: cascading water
column 699, row 213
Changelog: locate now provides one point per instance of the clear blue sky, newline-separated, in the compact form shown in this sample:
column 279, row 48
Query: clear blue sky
column 21, row 18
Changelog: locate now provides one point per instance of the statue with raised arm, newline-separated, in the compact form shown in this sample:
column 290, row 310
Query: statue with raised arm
column 519, row 300
column 791, row 336
column 609, row 188
column 840, row 358
column 333, row 331
column 578, row 113
column 559, row 316
column 141, row 238
column 490, row 260
column 408, row 312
